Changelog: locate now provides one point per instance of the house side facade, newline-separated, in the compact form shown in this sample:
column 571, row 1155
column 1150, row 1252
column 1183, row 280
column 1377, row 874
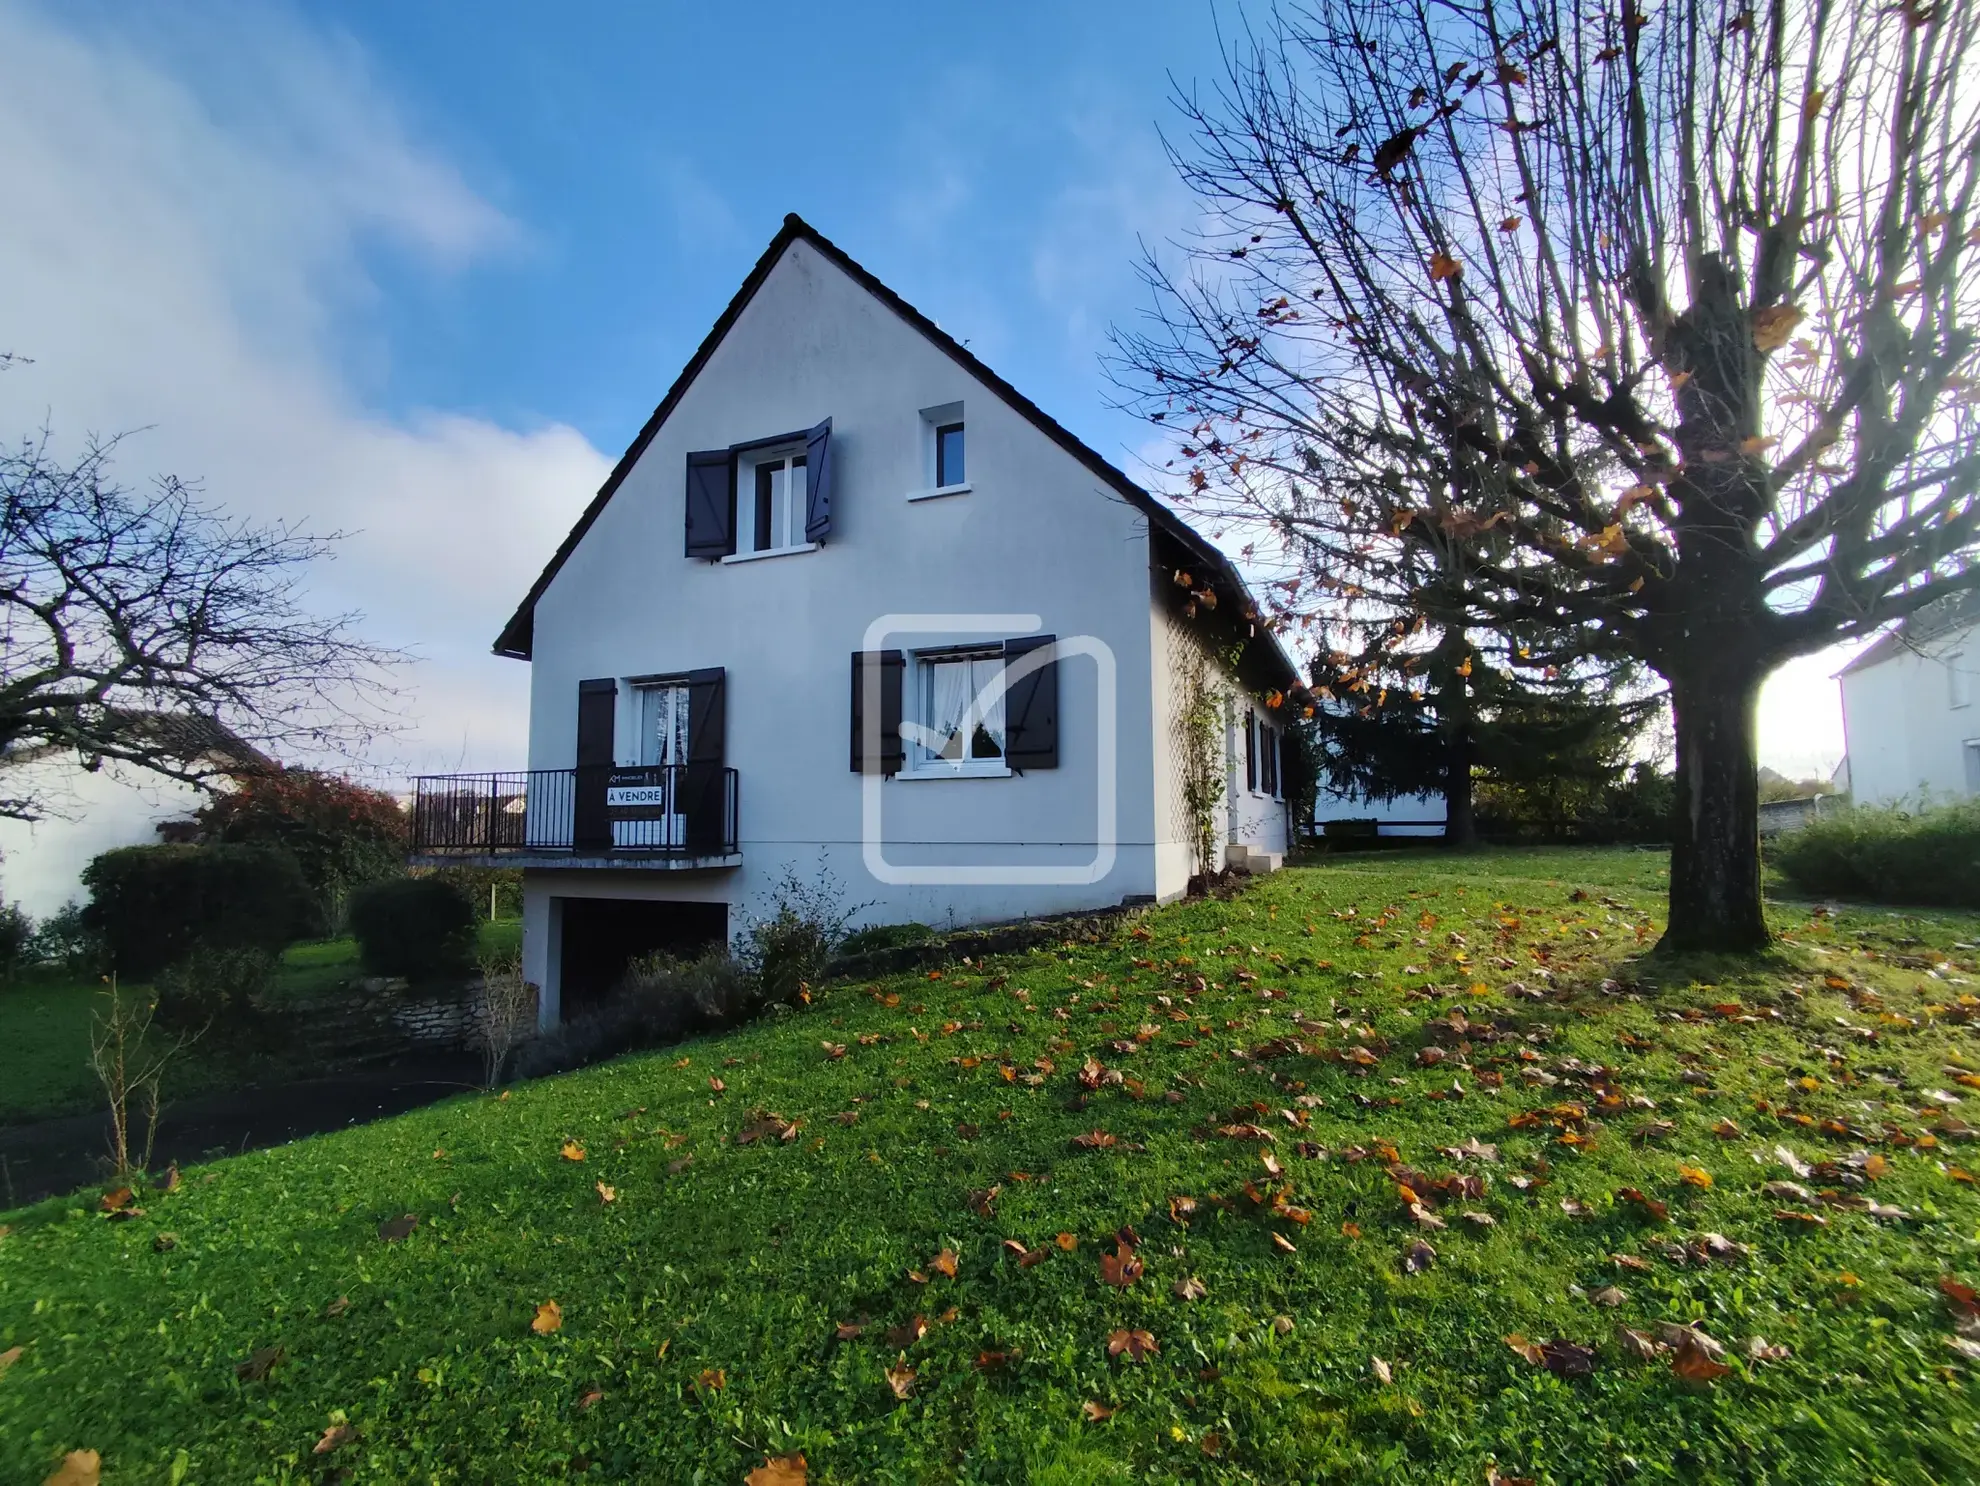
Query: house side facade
column 1911, row 714
column 959, row 537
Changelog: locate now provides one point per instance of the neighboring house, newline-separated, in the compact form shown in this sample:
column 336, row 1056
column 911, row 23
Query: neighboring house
column 1911, row 708
column 92, row 810
column 851, row 604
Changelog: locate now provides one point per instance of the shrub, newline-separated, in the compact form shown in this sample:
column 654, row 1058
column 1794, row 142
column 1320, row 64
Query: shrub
column 153, row 904
column 788, row 951
column 16, row 940
column 66, row 940
column 418, row 927
column 341, row 834
column 884, row 936
column 1887, row 854
column 218, row 986
column 661, row 1000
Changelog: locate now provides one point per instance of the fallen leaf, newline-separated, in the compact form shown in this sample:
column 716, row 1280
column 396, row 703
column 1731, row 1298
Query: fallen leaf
column 900, row 1378
column 989, row 1361
column 170, row 1181
column 1418, row 1257
column 261, row 1362
column 713, row 1379
column 1067, row 1241
column 1381, row 1370
column 549, row 1317
column 1095, row 1411
column 1121, row 1268
column 335, row 1435
column 1134, row 1345
column 716, row 1086
column 676, row 1167
column 1283, row 1244
column 78, row 1468
column 1181, row 1209
column 1636, row 1344
column 606, row 1195
column 571, row 1151
column 1695, row 1176
column 164, row 1243
column 1187, row 1288
column 1759, row 1349
column 1529, row 1350
column 114, row 1199
column 847, row 1330
column 778, row 1470
column 1609, row 1295
column 336, row 1307
column 9, row 1357
column 944, row 1263
column 908, row 1332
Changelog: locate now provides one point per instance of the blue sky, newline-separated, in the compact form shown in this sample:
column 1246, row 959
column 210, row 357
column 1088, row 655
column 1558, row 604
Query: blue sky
column 418, row 273
column 995, row 164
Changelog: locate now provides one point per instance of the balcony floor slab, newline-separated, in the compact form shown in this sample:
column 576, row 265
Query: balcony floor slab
column 618, row 861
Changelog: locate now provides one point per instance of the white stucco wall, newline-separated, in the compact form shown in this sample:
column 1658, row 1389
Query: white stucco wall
column 1904, row 735
column 1036, row 533
column 41, row 863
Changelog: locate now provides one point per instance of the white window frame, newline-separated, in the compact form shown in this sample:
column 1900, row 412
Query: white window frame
column 942, row 416
column 916, row 708
column 747, row 464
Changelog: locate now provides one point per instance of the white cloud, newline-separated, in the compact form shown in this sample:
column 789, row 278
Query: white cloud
column 184, row 251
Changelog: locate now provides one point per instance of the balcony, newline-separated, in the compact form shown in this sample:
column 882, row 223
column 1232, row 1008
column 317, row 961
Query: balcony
column 675, row 817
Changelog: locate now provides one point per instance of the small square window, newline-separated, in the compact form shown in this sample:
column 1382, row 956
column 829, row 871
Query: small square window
column 949, row 455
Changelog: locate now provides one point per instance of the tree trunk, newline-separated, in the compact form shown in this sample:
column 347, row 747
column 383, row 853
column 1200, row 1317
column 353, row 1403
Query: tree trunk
column 1715, row 825
column 1454, row 722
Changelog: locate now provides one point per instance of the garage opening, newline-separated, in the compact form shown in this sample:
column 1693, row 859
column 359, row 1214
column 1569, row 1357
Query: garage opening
column 603, row 935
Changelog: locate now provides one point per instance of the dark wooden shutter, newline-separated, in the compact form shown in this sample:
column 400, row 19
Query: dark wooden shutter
column 886, row 668
column 711, row 504
column 703, row 788
column 818, row 483
column 1031, row 709
column 591, row 827
column 1250, row 749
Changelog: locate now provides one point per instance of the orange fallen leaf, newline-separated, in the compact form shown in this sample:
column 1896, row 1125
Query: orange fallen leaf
column 944, row 1263
column 1095, row 1411
column 1067, row 1241
column 115, row 1198
column 1121, row 1268
column 1133, row 1345
column 778, row 1470
column 900, row 1378
column 571, row 1151
column 715, row 1085
column 335, row 1435
column 78, row 1468
column 549, row 1317
column 606, row 1195
column 9, row 1357
column 1695, row 1176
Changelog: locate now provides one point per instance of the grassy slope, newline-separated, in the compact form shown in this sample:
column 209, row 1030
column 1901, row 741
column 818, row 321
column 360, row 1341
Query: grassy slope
column 746, row 1259
column 45, row 1022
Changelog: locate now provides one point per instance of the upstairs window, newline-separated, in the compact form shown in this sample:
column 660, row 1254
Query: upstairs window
column 949, row 468
column 774, row 513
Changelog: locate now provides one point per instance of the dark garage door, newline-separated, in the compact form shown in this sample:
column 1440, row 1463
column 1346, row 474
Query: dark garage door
column 602, row 934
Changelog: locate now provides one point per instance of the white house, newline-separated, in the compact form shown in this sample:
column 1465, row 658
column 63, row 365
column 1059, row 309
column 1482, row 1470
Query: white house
column 850, row 603
column 1911, row 726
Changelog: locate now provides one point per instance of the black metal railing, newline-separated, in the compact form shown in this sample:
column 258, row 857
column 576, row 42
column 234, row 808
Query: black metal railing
column 686, row 810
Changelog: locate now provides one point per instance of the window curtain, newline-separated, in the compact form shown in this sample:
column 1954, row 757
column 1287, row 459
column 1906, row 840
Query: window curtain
column 987, row 740
column 954, row 688
column 949, row 698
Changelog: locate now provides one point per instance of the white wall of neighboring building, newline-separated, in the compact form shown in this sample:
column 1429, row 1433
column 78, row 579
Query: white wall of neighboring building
column 1035, row 534
column 1407, row 815
column 41, row 862
column 1911, row 721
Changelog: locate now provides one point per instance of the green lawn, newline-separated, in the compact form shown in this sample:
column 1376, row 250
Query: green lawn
column 45, row 1025
column 701, row 1308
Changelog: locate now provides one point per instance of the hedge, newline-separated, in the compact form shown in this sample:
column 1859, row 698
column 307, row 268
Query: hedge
column 413, row 926
column 1887, row 854
column 153, row 905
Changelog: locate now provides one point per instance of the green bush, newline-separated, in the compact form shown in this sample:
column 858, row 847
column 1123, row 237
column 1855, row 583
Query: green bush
column 418, row 927
column 662, row 999
column 1887, row 854
column 216, row 986
column 884, row 936
column 787, row 952
column 65, row 940
column 152, row 904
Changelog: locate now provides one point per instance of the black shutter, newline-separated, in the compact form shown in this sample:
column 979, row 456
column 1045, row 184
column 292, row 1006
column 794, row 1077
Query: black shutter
column 1250, row 749
column 591, row 827
column 711, row 504
column 702, row 791
column 818, row 483
column 1031, row 709
column 1273, row 737
column 886, row 669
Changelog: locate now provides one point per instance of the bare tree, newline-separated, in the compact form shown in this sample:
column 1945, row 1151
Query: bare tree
column 147, row 628
column 1671, row 310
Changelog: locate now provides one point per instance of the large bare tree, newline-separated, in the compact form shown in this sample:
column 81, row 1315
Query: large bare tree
column 147, row 628
column 1668, row 311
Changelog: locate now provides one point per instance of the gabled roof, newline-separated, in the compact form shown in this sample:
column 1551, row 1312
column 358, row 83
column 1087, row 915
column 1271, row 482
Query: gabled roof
column 1958, row 611
column 517, row 636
